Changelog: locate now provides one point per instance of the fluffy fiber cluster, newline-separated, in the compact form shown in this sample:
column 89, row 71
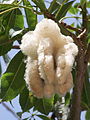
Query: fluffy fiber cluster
column 50, row 57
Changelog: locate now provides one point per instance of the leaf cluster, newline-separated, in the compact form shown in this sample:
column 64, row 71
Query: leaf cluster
column 16, row 19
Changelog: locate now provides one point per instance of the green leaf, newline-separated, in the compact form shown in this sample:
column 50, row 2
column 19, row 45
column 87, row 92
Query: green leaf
column 88, row 4
column 82, row 2
column 4, row 80
column 10, row 18
column 5, row 44
column 19, row 22
column 87, row 116
column 18, row 35
column 61, row 1
column 43, row 117
column 43, row 105
column 3, row 38
column 12, row 82
column 40, row 4
column 88, row 38
column 5, row 48
column 19, row 19
column 88, row 23
column 54, row 6
column 6, row 58
column 63, row 10
column 30, row 16
column 76, row 5
column 89, row 41
column 51, row 7
column 5, row 6
column 26, row 100
column 86, row 91
column 57, row 98
column 6, row 20
column 67, row 99
column 73, row 10
column 63, row 30
column 0, row 68
column 6, row 10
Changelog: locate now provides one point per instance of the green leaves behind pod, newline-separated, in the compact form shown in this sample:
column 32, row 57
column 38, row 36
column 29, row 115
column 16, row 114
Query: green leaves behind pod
column 30, row 16
column 12, row 81
column 87, row 116
column 43, row 117
column 26, row 100
column 5, row 44
column 54, row 6
column 63, row 10
column 40, row 4
column 43, row 105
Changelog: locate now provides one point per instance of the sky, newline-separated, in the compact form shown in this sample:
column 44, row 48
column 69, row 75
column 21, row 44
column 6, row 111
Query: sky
column 6, row 115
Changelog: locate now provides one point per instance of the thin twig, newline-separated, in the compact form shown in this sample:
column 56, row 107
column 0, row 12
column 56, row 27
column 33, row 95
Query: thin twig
column 15, row 47
column 82, row 34
column 8, row 10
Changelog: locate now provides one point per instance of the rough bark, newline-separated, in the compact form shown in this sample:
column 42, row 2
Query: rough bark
column 77, row 91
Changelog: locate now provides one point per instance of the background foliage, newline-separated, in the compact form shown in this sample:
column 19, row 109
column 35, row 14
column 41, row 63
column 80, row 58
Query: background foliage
column 18, row 17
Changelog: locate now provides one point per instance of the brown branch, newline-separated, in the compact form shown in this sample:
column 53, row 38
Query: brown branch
column 87, row 57
column 84, row 16
column 51, row 16
column 77, row 91
column 71, row 28
column 82, row 61
column 80, row 77
column 15, row 47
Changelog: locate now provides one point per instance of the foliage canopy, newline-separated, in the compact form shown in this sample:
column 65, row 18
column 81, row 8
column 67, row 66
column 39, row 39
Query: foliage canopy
column 18, row 17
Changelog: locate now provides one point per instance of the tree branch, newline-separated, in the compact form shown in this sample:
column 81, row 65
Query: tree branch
column 71, row 28
column 15, row 47
column 87, row 57
column 77, row 91
column 84, row 16
column 80, row 77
